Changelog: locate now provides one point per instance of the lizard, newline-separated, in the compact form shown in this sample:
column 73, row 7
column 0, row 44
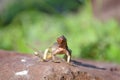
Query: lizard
column 59, row 47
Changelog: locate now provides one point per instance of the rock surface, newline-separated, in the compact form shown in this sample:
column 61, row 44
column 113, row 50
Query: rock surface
column 16, row 66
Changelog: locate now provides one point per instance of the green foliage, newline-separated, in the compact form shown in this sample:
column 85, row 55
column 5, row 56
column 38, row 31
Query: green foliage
column 49, row 6
column 87, row 37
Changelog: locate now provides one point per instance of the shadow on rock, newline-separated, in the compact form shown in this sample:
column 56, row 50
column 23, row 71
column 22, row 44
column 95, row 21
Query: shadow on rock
column 86, row 65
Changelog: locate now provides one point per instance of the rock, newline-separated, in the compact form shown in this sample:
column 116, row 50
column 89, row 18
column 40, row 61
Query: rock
column 16, row 66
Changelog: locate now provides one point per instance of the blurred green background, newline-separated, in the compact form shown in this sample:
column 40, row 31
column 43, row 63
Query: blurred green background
column 39, row 22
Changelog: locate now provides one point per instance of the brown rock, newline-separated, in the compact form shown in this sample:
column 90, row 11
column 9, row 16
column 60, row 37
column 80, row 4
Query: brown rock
column 15, row 66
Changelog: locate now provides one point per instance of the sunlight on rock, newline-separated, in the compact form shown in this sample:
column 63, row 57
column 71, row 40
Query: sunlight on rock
column 22, row 73
column 23, row 60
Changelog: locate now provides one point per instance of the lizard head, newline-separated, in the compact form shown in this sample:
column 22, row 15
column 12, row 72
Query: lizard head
column 61, row 40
